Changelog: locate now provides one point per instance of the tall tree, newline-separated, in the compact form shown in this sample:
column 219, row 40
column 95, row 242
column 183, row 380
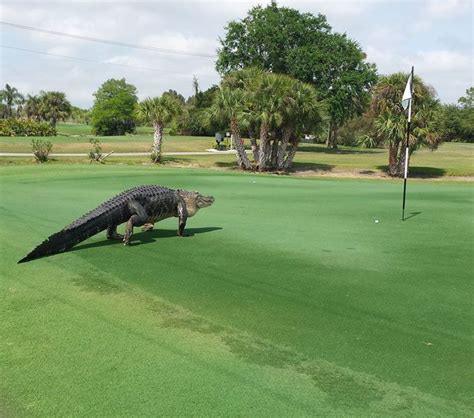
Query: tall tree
column 10, row 97
column 390, row 119
column 456, row 122
column 113, row 112
column 283, row 40
column 158, row 111
column 54, row 106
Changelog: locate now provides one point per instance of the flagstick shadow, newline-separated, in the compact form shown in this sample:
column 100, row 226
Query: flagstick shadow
column 412, row 215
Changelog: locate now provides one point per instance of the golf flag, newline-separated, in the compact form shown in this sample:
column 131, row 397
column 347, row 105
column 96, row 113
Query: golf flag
column 407, row 95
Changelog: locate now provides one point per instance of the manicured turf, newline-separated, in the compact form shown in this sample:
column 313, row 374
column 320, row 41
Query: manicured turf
column 287, row 300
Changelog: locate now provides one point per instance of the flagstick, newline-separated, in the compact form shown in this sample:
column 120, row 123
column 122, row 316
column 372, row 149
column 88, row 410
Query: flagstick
column 406, row 171
column 407, row 150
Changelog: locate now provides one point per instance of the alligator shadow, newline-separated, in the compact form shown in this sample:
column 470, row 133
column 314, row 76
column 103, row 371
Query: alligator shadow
column 147, row 237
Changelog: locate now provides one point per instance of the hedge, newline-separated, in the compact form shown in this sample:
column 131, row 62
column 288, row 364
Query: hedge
column 25, row 127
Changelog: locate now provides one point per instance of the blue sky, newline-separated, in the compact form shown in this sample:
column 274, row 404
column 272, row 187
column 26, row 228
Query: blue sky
column 436, row 36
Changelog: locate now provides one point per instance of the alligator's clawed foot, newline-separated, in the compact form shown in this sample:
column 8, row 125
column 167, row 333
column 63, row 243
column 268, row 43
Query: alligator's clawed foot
column 126, row 239
column 147, row 227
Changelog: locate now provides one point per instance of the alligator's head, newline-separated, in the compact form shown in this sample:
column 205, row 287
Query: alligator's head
column 195, row 201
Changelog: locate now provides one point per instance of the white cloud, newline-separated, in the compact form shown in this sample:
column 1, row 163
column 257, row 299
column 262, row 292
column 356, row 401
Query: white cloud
column 443, row 9
column 178, row 41
column 448, row 62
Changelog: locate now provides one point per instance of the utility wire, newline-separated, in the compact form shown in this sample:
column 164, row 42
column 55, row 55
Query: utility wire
column 106, row 41
column 100, row 62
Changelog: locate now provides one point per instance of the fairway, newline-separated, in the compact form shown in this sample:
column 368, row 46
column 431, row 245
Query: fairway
column 287, row 300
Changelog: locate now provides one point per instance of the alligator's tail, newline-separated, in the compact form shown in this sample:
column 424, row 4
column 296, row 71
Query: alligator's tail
column 73, row 234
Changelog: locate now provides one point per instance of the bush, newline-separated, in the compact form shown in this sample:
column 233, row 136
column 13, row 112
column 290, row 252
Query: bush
column 113, row 110
column 41, row 149
column 25, row 127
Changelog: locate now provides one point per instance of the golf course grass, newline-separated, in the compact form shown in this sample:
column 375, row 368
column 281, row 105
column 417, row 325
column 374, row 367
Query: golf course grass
column 288, row 299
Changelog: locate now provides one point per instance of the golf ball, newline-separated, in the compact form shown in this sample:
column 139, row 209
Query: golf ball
column 376, row 221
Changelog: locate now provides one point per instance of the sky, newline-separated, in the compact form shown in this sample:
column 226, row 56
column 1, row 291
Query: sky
column 435, row 36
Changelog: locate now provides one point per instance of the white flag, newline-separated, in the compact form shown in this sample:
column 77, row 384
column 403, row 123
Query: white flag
column 406, row 99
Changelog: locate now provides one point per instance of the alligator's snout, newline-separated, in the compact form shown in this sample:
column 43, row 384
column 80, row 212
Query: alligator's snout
column 204, row 201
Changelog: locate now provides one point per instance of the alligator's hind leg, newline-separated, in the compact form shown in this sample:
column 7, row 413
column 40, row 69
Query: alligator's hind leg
column 138, row 218
column 112, row 233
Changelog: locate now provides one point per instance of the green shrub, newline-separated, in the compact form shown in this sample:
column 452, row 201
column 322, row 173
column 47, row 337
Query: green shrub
column 113, row 110
column 41, row 149
column 25, row 127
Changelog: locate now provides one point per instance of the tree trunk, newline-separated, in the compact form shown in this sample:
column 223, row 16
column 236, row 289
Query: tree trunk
column 274, row 157
column 283, row 146
column 242, row 159
column 331, row 141
column 263, row 151
column 291, row 154
column 396, row 157
column 157, row 141
column 255, row 150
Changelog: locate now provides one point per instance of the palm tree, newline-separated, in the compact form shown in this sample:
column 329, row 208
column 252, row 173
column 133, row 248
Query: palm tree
column 276, row 106
column 267, row 97
column 54, row 106
column 11, row 97
column 247, row 80
column 390, row 119
column 303, row 112
column 33, row 108
column 229, row 106
column 158, row 111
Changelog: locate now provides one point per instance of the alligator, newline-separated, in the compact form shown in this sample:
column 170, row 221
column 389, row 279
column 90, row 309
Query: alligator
column 139, row 206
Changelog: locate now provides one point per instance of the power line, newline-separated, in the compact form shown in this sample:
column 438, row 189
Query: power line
column 100, row 62
column 106, row 41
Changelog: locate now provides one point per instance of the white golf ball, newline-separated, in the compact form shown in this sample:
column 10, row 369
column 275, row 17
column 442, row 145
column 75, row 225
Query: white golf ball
column 376, row 221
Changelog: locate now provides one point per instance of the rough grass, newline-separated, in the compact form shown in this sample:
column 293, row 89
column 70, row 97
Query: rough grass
column 127, row 143
column 451, row 159
column 288, row 299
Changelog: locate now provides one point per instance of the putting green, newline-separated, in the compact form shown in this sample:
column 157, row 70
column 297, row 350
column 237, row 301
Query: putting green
column 289, row 299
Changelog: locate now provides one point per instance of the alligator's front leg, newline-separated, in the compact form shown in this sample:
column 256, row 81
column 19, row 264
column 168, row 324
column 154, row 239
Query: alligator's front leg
column 138, row 218
column 183, row 216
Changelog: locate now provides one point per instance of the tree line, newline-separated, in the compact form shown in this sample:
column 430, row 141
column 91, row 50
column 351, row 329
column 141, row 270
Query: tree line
column 48, row 106
column 284, row 74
